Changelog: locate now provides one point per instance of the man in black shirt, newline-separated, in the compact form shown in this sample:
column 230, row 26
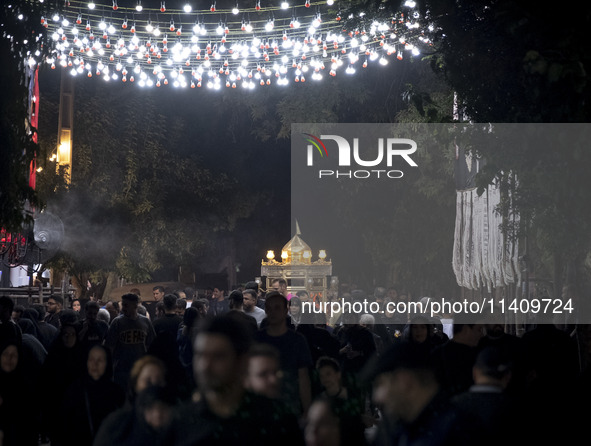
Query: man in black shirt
column 225, row 413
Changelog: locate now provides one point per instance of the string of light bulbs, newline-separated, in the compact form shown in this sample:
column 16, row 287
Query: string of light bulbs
column 247, row 45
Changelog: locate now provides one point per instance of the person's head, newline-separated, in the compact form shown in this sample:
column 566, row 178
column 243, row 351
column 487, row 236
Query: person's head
column 295, row 306
column 180, row 294
column 68, row 335
column 155, row 404
column 367, row 321
column 249, row 297
column 252, row 285
column 31, row 314
column 420, row 329
column 181, row 306
column 494, row 330
column 402, row 296
column 69, row 317
column 113, row 308
column 329, row 374
column 392, row 293
column 403, row 381
column 9, row 357
column 218, row 294
column 303, row 295
column 220, row 353
column 103, row 315
column 379, row 294
column 147, row 371
column 55, row 304
column 17, row 312
column 159, row 310
column 276, row 308
column 76, row 306
column 40, row 308
column 492, row 367
column 323, row 427
column 97, row 362
column 136, row 291
column 235, row 300
column 264, row 373
column 129, row 304
column 280, row 285
column 202, row 306
column 169, row 301
column 158, row 292
column 190, row 318
column 6, row 308
column 468, row 334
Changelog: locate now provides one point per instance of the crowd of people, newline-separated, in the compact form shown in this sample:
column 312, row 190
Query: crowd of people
column 253, row 368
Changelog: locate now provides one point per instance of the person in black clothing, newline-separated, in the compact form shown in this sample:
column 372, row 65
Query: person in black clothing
column 454, row 359
column 147, row 422
column 9, row 331
column 415, row 411
column 165, row 346
column 328, row 424
column 236, row 309
column 47, row 332
column 54, row 307
column 497, row 412
column 64, row 364
column 19, row 398
column 419, row 331
column 168, row 324
column 93, row 331
column 511, row 346
column 90, row 399
column 225, row 413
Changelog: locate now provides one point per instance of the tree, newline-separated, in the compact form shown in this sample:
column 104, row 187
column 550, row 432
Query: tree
column 137, row 204
column 514, row 62
column 540, row 76
column 21, row 48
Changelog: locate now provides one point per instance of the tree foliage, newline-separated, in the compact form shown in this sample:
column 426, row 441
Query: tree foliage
column 137, row 204
column 21, row 37
column 513, row 62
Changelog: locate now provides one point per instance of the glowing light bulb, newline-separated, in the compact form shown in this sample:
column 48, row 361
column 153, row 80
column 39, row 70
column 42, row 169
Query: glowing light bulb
column 139, row 6
column 91, row 5
column 187, row 8
column 284, row 4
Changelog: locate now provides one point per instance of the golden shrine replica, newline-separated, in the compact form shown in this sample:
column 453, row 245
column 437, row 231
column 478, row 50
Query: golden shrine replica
column 299, row 271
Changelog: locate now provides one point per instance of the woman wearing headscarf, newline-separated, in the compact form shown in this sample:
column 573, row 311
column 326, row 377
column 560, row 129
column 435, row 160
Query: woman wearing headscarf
column 90, row 399
column 19, row 416
column 64, row 364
